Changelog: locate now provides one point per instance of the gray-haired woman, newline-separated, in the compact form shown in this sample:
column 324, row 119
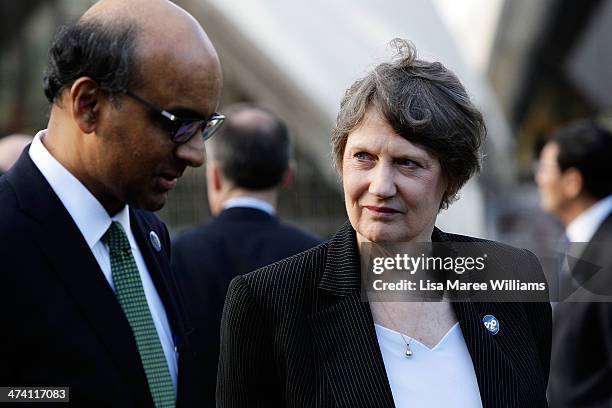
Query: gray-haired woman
column 297, row 333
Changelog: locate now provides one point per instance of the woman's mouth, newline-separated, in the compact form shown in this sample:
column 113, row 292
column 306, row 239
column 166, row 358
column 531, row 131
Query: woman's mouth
column 381, row 211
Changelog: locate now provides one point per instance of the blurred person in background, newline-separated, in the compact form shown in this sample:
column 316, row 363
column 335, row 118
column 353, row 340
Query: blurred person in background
column 11, row 148
column 248, row 162
column 575, row 181
column 87, row 297
column 297, row 333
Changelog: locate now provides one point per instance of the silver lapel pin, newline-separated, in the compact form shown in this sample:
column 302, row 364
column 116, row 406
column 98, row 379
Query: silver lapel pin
column 155, row 241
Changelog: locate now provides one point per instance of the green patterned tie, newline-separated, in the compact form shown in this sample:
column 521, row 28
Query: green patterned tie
column 131, row 296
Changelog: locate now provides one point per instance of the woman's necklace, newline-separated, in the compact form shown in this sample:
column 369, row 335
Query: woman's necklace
column 408, row 353
column 416, row 327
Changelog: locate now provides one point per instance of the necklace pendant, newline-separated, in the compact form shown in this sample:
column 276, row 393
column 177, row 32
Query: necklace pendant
column 408, row 351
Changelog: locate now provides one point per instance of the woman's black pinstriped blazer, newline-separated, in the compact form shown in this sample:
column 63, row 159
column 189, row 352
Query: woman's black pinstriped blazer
column 297, row 334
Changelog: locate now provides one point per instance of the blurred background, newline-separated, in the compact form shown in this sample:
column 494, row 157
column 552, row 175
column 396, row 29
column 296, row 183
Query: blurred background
column 530, row 66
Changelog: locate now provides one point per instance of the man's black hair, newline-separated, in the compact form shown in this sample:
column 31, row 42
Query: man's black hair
column 587, row 146
column 102, row 51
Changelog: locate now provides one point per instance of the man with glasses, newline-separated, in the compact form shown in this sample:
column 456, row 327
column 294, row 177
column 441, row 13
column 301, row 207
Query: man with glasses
column 573, row 178
column 86, row 294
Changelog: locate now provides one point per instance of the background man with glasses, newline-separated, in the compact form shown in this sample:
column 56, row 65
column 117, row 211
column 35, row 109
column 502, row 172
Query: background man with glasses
column 86, row 295
column 574, row 180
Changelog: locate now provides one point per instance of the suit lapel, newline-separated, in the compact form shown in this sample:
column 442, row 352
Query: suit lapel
column 495, row 356
column 159, row 268
column 60, row 240
column 343, row 331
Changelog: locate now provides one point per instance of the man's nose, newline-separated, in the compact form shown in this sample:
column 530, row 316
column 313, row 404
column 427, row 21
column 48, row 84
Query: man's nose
column 192, row 151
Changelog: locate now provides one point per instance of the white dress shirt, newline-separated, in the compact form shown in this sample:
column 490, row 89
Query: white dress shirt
column 583, row 227
column 93, row 221
column 249, row 202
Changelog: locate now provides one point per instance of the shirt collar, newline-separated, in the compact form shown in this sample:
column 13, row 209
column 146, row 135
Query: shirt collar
column 88, row 214
column 583, row 227
column 249, row 202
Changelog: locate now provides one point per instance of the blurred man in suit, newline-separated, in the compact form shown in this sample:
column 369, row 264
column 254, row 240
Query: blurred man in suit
column 86, row 293
column 247, row 164
column 574, row 178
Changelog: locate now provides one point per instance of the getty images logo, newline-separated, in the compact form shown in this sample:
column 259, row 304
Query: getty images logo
column 491, row 324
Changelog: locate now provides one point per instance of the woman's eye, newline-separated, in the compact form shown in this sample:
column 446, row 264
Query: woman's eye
column 406, row 163
column 362, row 156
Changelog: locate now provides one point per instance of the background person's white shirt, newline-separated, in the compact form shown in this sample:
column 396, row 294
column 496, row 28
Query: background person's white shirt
column 249, row 202
column 93, row 221
column 583, row 227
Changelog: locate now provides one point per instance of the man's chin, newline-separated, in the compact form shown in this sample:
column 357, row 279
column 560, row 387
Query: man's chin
column 548, row 207
column 153, row 202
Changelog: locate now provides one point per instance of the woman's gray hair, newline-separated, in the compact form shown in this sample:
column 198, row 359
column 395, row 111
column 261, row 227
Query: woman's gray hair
column 423, row 102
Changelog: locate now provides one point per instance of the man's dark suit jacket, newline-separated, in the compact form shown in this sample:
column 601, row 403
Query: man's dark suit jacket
column 207, row 258
column 61, row 322
column 581, row 367
column 297, row 334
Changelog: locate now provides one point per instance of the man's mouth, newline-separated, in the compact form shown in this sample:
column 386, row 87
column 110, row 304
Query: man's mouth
column 168, row 181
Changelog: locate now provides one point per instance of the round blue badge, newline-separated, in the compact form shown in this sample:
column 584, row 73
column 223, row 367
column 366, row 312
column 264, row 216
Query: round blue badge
column 491, row 324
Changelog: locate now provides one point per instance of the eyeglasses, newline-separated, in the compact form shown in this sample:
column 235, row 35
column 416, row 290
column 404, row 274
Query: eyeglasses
column 183, row 129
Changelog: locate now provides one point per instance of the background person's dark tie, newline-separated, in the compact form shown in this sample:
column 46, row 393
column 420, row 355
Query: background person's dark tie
column 131, row 296
column 567, row 286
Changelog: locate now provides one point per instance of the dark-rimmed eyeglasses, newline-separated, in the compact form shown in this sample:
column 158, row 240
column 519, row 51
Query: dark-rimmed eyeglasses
column 183, row 129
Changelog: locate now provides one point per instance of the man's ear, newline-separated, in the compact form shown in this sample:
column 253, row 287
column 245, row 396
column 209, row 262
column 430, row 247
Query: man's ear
column 573, row 182
column 84, row 99
column 289, row 173
column 215, row 175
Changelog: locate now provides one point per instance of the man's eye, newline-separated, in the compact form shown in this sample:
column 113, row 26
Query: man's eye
column 165, row 123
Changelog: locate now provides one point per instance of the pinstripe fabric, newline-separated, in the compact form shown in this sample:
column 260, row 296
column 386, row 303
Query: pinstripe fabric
column 296, row 334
